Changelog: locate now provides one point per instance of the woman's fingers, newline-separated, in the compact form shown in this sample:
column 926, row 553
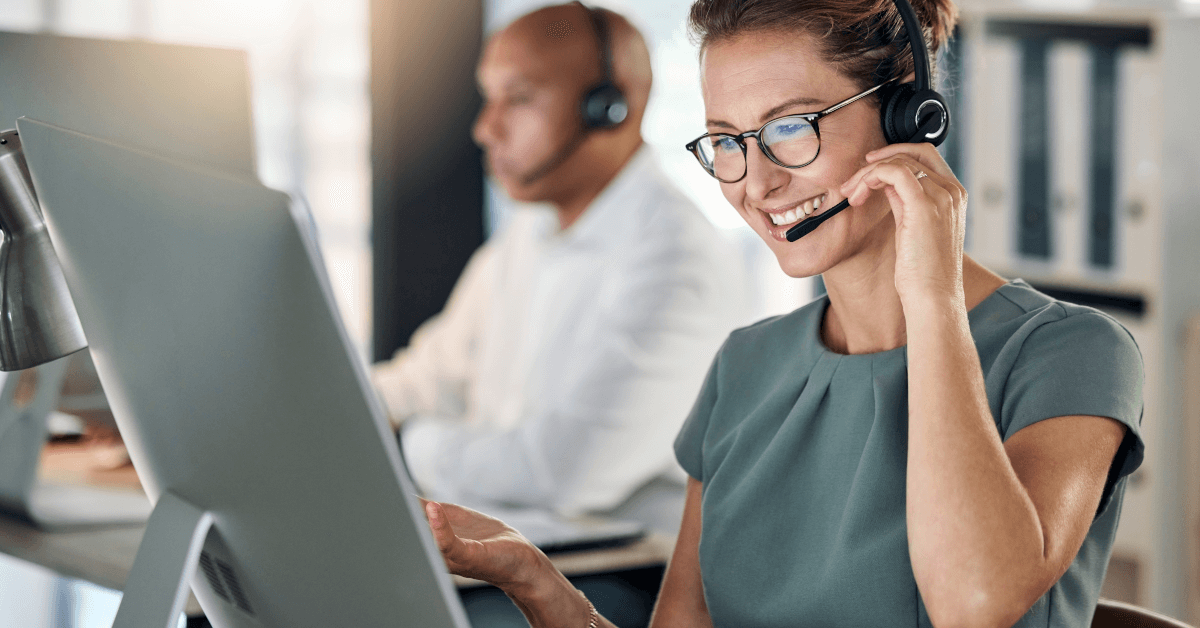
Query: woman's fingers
column 443, row 534
column 947, row 194
column 903, row 170
column 924, row 153
column 923, row 157
column 857, row 190
column 452, row 548
column 898, row 173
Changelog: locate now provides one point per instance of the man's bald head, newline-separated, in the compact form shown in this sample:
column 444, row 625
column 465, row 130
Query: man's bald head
column 564, row 39
column 533, row 76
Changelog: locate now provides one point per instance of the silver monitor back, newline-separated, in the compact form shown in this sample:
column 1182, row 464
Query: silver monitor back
column 237, row 391
column 185, row 101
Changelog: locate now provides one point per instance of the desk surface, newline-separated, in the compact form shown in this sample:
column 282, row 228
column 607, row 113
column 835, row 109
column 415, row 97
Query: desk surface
column 102, row 558
column 97, row 561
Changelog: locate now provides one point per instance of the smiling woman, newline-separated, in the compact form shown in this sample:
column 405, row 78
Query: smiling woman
column 927, row 445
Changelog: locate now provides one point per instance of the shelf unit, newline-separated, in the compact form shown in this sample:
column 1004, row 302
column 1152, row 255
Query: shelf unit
column 1080, row 148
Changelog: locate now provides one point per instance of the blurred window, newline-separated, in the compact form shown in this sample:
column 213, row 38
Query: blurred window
column 308, row 69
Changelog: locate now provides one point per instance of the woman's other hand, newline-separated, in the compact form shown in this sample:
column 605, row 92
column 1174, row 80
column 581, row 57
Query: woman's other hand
column 930, row 214
column 477, row 546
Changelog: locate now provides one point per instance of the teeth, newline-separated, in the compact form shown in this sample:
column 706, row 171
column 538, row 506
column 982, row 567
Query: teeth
column 804, row 209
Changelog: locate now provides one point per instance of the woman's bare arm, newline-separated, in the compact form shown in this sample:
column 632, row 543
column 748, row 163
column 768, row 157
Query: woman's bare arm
column 681, row 599
column 991, row 525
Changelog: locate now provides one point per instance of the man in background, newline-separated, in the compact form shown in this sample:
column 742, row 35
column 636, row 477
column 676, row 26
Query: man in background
column 576, row 340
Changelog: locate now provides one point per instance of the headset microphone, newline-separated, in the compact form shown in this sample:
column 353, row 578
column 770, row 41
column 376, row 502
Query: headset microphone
column 603, row 105
column 555, row 160
column 909, row 112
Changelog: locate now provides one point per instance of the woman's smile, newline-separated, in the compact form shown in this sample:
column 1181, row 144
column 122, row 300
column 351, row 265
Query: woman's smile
column 777, row 219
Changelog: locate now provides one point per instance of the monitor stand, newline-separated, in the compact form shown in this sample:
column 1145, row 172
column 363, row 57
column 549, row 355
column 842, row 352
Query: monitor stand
column 182, row 547
column 166, row 561
column 46, row 504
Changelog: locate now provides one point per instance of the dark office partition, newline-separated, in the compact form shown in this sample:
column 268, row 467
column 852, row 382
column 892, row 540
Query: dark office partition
column 1034, row 174
column 1103, row 156
column 427, row 177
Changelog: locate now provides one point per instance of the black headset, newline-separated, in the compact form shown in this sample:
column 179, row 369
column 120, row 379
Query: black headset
column 909, row 112
column 603, row 106
column 904, row 108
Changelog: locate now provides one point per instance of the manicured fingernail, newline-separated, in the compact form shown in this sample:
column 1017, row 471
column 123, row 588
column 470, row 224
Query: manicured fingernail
column 431, row 512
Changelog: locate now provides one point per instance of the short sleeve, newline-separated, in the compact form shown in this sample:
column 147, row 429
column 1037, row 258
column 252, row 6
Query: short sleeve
column 1082, row 364
column 689, row 443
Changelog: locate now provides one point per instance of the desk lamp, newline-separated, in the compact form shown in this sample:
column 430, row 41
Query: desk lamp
column 38, row 323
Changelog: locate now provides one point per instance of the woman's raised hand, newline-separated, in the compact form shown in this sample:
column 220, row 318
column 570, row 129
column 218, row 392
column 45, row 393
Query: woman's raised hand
column 929, row 205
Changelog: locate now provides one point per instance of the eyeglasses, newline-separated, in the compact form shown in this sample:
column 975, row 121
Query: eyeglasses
column 791, row 141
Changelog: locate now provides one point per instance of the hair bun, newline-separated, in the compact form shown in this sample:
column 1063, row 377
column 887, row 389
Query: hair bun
column 939, row 18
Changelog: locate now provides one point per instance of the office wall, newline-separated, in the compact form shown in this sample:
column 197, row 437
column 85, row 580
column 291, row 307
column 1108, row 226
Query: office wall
column 427, row 207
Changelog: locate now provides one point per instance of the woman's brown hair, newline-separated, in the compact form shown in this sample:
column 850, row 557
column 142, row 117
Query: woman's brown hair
column 864, row 39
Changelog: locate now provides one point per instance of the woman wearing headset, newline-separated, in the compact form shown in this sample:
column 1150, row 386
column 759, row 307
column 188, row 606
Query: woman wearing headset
column 929, row 444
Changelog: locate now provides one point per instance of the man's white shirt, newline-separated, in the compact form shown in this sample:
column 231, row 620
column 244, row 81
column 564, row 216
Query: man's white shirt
column 565, row 361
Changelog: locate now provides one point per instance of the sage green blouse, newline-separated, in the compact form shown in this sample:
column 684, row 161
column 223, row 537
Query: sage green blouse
column 802, row 453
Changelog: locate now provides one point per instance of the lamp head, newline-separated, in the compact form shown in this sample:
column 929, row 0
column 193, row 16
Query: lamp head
column 38, row 323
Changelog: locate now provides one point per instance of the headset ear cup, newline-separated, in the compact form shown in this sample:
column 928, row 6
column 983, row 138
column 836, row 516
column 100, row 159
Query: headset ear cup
column 903, row 106
column 604, row 107
column 893, row 101
column 923, row 104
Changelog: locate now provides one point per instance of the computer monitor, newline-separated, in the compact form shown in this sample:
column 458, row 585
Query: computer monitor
column 243, row 405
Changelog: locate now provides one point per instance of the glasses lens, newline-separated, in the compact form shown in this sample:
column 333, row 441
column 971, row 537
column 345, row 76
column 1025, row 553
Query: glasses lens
column 793, row 140
column 722, row 157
